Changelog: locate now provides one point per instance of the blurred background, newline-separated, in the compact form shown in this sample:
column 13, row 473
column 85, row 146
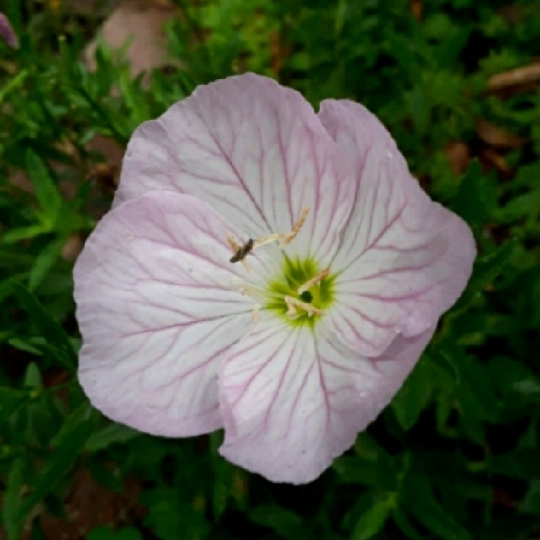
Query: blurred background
column 457, row 83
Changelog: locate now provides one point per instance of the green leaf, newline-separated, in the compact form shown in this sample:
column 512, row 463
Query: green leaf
column 172, row 518
column 71, row 440
column 419, row 108
column 475, row 391
column 419, row 498
column 48, row 327
column 415, row 394
column 105, row 475
column 524, row 205
column 12, row 501
column 406, row 55
column 24, row 345
column 531, row 502
column 47, row 192
column 223, row 487
column 44, row 262
column 404, row 524
column 104, row 533
column 32, row 376
column 523, row 464
column 12, row 84
column 370, row 466
column 373, row 520
column 133, row 97
column 25, row 233
column 476, row 199
column 111, row 434
column 284, row 522
column 443, row 361
column 528, row 386
column 355, row 470
column 10, row 401
column 79, row 416
column 485, row 271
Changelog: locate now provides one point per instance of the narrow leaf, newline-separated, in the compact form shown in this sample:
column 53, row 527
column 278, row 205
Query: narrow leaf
column 476, row 198
column 71, row 440
column 414, row 396
column 44, row 262
column 420, row 500
column 12, row 501
column 485, row 271
column 373, row 520
column 113, row 433
column 10, row 401
column 406, row 527
column 25, row 233
column 284, row 522
column 46, row 190
column 49, row 328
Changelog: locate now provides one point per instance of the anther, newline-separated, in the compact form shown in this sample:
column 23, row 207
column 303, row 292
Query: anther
column 232, row 242
column 241, row 251
column 313, row 281
column 293, row 303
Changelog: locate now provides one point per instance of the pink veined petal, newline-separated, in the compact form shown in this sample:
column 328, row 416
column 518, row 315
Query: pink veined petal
column 157, row 314
column 292, row 400
column 403, row 259
column 254, row 151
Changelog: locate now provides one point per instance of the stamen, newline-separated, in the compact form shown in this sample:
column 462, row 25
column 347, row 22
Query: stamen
column 285, row 238
column 246, row 289
column 255, row 313
column 289, row 237
column 267, row 240
column 293, row 303
column 291, row 312
column 313, row 281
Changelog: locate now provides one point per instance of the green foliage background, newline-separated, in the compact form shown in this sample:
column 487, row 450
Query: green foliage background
column 456, row 454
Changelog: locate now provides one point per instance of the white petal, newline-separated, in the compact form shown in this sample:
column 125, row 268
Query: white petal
column 403, row 259
column 293, row 400
column 157, row 313
column 256, row 152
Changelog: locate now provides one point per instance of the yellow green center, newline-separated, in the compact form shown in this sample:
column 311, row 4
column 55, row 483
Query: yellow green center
column 295, row 274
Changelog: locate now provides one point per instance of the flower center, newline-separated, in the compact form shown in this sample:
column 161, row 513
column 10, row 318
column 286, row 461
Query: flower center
column 302, row 290
column 301, row 293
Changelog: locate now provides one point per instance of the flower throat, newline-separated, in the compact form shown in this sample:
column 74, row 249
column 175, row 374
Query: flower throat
column 301, row 292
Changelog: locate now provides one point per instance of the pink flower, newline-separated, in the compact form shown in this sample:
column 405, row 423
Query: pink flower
column 7, row 33
column 345, row 266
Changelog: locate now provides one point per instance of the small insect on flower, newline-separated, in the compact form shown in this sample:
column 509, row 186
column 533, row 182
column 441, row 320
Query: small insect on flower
column 243, row 251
